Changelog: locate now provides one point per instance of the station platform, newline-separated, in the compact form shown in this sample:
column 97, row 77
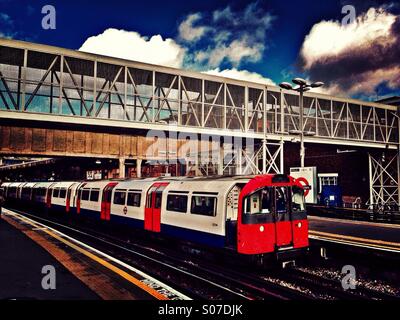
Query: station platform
column 82, row 272
column 21, row 266
column 359, row 233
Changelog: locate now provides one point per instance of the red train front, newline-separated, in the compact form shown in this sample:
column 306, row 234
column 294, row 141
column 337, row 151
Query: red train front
column 272, row 216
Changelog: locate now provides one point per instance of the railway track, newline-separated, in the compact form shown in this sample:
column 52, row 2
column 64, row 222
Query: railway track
column 331, row 287
column 203, row 280
column 335, row 286
column 197, row 281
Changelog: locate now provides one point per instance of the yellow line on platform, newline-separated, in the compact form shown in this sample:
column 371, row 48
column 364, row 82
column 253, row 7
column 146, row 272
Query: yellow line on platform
column 378, row 243
column 99, row 260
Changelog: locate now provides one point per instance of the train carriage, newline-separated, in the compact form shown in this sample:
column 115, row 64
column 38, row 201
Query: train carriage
column 90, row 197
column 201, row 210
column 26, row 192
column 59, row 196
column 4, row 186
column 128, row 202
column 252, row 215
column 39, row 194
column 13, row 192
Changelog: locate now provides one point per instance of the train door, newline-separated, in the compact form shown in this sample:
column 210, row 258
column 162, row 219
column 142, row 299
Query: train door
column 48, row 195
column 106, row 201
column 152, row 213
column 78, row 195
column 68, row 199
column 283, row 219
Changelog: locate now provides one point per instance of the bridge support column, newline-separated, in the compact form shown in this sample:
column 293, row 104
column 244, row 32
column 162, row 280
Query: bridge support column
column 384, row 179
column 139, row 168
column 239, row 160
column 221, row 161
column 122, row 173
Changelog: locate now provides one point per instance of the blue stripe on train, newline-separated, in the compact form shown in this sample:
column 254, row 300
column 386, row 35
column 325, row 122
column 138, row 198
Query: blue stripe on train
column 209, row 239
column 84, row 212
column 206, row 238
column 132, row 222
column 201, row 237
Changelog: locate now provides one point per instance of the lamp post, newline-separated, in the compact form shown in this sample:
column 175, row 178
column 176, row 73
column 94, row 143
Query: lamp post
column 302, row 86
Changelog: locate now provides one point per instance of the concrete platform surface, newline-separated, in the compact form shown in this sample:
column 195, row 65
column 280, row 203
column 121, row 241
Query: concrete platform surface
column 21, row 263
column 369, row 233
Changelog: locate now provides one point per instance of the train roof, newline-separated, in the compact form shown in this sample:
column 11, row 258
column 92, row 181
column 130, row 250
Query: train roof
column 43, row 184
column 64, row 184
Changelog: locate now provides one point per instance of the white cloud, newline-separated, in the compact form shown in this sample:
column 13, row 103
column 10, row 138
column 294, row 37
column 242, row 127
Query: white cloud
column 366, row 83
column 232, row 37
column 5, row 19
column 241, row 75
column 236, row 52
column 223, row 14
column 357, row 58
column 132, row 46
column 187, row 30
column 330, row 38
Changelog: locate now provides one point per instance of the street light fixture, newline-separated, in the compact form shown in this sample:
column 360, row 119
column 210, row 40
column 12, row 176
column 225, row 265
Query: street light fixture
column 302, row 86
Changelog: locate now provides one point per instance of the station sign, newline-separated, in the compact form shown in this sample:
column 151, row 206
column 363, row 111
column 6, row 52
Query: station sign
column 93, row 175
column 307, row 176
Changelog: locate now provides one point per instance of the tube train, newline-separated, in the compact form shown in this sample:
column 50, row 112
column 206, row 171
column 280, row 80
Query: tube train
column 251, row 215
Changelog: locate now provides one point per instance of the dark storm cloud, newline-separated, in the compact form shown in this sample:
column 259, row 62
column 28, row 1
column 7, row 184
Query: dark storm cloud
column 373, row 60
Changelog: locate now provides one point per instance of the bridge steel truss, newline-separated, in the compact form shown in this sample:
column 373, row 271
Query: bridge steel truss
column 384, row 180
column 52, row 84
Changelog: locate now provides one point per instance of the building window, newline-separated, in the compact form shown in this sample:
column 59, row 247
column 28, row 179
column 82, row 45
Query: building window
column 204, row 205
column 133, row 199
column 119, row 197
column 327, row 179
column 177, row 203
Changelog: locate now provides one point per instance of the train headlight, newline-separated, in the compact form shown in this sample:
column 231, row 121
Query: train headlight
column 299, row 225
column 262, row 229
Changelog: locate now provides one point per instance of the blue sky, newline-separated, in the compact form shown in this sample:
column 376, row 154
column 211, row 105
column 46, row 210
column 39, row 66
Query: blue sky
column 265, row 39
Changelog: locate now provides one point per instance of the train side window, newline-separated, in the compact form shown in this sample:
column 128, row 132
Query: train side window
column 133, row 199
column 56, row 192
column 25, row 192
column 177, row 203
column 62, row 193
column 37, row 192
column 119, row 197
column 297, row 199
column 204, row 205
column 94, row 195
column 85, row 195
